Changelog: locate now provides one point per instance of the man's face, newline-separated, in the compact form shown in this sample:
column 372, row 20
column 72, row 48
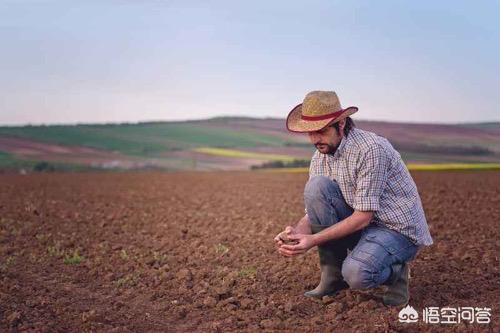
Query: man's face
column 328, row 139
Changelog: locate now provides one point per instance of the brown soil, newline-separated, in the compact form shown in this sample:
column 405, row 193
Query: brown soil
column 194, row 252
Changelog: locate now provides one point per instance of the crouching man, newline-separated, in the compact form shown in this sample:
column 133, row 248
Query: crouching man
column 360, row 197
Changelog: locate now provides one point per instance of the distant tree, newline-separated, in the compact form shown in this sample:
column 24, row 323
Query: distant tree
column 280, row 164
column 43, row 166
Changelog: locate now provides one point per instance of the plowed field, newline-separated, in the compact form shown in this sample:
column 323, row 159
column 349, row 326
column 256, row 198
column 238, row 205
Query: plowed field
column 160, row 252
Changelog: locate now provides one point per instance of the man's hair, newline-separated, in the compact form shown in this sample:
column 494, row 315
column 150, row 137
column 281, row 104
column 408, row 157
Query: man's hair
column 349, row 124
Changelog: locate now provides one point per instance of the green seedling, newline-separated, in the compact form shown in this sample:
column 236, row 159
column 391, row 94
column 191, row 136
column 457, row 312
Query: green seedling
column 55, row 250
column 127, row 281
column 221, row 249
column 159, row 257
column 248, row 272
column 124, row 255
column 74, row 258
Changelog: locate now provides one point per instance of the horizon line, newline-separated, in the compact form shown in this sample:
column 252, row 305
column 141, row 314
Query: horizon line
column 151, row 121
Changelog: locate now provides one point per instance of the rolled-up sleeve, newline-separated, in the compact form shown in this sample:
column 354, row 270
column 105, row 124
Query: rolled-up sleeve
column 314, row 167
column 371, row 180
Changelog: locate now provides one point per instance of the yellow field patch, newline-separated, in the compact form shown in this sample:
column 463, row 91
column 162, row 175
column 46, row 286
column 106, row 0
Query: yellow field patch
column 415, row 167
column 244, row 154
column 453, row 166
column 291, row 170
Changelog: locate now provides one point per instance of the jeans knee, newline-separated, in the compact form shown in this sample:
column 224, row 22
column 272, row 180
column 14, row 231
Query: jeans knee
column 356, row 274
column 319, row 186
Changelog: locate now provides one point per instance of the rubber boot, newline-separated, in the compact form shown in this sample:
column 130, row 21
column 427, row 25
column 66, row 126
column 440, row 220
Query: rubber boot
column 398, row 293
column 331, row 256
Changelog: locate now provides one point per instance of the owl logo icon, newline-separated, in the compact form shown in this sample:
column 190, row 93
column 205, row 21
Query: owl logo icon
column 408, row 315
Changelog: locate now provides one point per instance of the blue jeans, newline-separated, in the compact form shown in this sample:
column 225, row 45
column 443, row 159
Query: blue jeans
column 374, row 249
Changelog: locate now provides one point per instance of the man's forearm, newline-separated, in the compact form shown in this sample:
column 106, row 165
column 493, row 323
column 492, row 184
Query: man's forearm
column 303, row 227
column 357, row 221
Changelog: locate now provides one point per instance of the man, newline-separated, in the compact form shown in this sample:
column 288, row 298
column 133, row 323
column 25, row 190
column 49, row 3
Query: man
column 359, row 197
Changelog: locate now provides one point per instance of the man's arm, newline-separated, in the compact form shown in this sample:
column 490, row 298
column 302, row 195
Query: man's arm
column 357, row 221
column 303, row 227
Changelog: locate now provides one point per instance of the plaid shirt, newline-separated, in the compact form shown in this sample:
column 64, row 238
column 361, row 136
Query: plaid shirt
column 373, row 177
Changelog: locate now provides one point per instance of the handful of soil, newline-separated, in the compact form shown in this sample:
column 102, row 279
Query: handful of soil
column 286, row 240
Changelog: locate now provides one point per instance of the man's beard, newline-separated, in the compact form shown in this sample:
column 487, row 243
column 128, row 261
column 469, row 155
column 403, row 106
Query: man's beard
column 330, row 149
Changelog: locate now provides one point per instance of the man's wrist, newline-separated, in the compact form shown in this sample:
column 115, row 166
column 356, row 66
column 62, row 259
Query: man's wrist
column 316, row 239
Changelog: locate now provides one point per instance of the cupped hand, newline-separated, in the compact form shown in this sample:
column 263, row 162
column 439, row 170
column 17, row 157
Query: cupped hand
column 304, row 243
column 284, row 235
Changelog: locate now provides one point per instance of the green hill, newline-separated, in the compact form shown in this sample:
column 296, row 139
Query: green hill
column 223, row 143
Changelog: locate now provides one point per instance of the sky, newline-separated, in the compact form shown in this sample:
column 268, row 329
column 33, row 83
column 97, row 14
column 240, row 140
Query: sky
column 65, row 62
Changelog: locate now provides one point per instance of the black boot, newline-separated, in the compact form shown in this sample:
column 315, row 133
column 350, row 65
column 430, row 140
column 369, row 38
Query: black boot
column 398, row 293
column 331, row 256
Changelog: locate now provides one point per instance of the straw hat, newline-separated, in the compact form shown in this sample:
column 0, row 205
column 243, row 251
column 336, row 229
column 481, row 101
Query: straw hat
column 319, row 109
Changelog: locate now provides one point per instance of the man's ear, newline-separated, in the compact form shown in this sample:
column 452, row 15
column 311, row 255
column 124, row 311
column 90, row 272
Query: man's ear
column 341, row 125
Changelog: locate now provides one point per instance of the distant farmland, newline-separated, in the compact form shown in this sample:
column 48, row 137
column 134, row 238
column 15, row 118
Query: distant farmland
column 223, row 144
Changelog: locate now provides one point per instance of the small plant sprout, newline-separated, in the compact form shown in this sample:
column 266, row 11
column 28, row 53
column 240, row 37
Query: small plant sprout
column 248, row 272
column 124, row 255
column 8, row 262
column 129, row 280
column 159, row 257
column 74, row 258
column 221, row 249
column 55, row 250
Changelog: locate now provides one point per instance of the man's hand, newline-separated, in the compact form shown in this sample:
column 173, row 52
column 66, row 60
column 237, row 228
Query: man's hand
column 304, row 243
column 279, row 239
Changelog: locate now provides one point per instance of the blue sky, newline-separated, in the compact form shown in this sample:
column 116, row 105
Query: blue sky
column 128, row 61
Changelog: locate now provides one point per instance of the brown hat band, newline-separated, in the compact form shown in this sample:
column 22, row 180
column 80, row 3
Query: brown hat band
column 322, row 117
